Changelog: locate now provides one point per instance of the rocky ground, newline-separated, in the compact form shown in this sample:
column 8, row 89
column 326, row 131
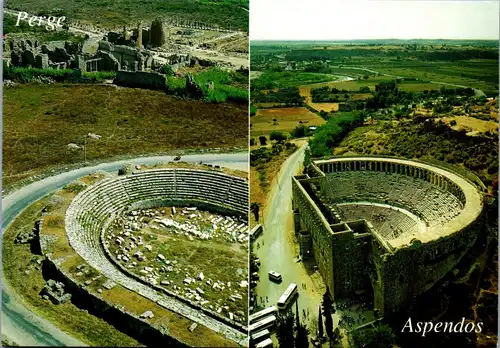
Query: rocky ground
column 196, row 254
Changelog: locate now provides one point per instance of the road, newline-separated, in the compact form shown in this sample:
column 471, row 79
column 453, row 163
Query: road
column 277, row 250
column 25, row 327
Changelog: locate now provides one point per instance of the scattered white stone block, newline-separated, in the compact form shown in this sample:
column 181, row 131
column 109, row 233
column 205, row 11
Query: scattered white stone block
column 147, row 315
column 192, row 327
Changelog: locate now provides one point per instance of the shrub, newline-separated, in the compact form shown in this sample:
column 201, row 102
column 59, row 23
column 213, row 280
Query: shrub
column 278, row 136
column 299, row 132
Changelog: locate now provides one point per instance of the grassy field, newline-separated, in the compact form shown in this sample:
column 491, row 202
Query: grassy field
column 40, row 121
column 39, row 32
column 286, row 120
column 270, row 79
column 226, row 13
column 476, row 73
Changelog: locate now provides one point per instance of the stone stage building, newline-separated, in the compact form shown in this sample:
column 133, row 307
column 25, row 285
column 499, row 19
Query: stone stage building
column 388, row 226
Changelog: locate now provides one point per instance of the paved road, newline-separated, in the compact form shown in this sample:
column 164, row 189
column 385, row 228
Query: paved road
column 18, row 323
column 277, row 251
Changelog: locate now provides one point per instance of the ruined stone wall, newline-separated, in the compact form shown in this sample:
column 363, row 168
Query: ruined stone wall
column 321, row 235
column 126, row 321
column 140, row 79
column 350, row 263
column 340, row 254
column 409, row 272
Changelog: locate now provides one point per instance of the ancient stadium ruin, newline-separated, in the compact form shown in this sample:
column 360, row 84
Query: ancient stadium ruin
column 389, row 227
column 82, row 249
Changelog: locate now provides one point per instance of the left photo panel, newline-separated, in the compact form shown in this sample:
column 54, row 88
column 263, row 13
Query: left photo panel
column 125, row 190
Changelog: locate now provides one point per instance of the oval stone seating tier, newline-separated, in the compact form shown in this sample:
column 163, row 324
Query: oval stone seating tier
column 445, row 201
column 92, row 208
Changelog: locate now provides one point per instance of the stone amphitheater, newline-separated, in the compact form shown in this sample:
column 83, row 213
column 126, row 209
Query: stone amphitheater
column 94, row 209
column 414, row 221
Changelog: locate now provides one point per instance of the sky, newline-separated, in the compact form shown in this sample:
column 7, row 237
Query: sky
column 373, row 19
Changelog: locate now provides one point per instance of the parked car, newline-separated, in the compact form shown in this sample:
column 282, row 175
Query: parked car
column 275, row 276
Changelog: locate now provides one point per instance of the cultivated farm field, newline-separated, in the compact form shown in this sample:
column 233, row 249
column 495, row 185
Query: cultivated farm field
column 286, row 120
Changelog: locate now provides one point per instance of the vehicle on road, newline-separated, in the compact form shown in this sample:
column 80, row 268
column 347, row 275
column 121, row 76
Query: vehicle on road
column 264, row 344
column 288, row 296
column 275, row 276
column 177, row 158
column 255, row 276
column 265, row 323
column 266, row 312
column 256, row 231
column 261, row 335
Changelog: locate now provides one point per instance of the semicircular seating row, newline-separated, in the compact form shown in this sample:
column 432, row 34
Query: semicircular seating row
column 94, row 206
column 432, row 204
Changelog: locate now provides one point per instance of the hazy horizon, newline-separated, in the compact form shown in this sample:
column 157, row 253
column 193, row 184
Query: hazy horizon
column 334, row 20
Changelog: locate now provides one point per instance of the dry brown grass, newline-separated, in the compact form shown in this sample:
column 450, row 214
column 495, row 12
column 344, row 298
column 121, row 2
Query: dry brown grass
column 471, row 124
column 177, row 325
column 41, row 120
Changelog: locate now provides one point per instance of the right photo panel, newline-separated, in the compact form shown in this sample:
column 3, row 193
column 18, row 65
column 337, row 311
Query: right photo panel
column 374, row 173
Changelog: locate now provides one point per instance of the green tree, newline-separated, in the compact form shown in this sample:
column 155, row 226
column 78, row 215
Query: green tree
column 278, row 136
column 301, row 331
column 253, row 110
column 320, row 324
column 307, row 157
column 299, row 132
column 255, row 209
column 380, row 336
column 327, row 311
column 302, row 337
column 167, row 70
column 284, row 330
column 263, row 140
